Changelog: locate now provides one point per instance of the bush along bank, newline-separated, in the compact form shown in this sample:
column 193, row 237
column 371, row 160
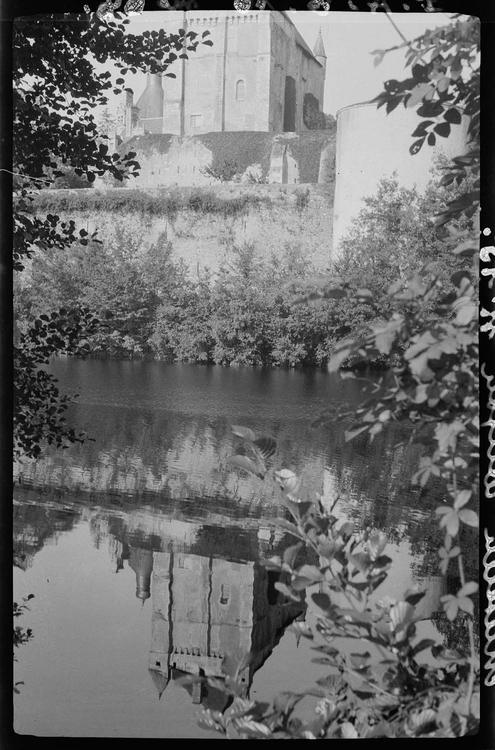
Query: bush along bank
column 258, row 310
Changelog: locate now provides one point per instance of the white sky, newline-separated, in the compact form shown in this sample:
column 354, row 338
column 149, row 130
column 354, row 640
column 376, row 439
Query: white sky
column 349, row 38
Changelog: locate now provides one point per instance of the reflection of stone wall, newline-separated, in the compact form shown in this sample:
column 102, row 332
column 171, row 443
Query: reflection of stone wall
column 209, row 615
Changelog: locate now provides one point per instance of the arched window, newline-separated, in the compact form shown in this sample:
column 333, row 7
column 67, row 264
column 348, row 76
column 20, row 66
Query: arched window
column 240, row 90
column 224, row 593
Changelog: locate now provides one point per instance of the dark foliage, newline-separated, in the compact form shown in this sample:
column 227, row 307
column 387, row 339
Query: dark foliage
column 56, row 89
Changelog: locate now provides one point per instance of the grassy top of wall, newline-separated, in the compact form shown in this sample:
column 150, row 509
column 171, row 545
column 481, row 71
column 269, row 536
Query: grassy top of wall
column 227, row 199
column 164, row 202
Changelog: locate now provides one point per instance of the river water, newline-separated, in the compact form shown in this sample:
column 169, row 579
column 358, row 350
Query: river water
column 143, row 547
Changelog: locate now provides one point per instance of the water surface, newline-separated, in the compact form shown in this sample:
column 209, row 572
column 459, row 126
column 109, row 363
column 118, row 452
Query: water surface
column 143, row 547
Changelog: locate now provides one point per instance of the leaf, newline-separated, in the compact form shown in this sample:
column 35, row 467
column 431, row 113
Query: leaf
column 290, row 553
column 284, row 589
column 378, row 57
column 450, row 605
column 453, row 116
column 416, row 146
column 462, row 498
column 422, row 128
column 443, row 129
column 443, row 84
column 469, row 517
column 430, row 109
column 469, row 588
column 422, row 645
column 385, row 337
column 326, row 548
column 446, row 435
column 338, row 358
column 290, row 528
column 245, row 463
column 400, row 613
column 348, row 731
column 243, row 432
column 417, row 94
column 361, row 561
column 311, row 572
column 346, row 529
column 419, row 72
column 392, row 104
column 289, row 482
column 211, row 720
column 465, row 604
column 273, row 563
column 376, row 544
column 351, row 434
column 301, row 629
column 466, row 313
column 252, row 728
column 322, row 601
column 449, row 520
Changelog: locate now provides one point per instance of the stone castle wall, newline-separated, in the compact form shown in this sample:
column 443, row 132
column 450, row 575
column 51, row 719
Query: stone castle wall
column 287, row 158
column 204, row 224
column 239, row 83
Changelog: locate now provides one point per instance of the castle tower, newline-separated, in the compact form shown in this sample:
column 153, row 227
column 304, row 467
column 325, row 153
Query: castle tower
column 150, row 104
column 141, row 561
column 319, row 50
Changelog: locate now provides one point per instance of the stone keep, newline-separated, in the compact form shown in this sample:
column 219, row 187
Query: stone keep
column 258, row 75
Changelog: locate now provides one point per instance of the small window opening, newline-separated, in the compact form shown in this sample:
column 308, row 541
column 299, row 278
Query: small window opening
column 240, row 90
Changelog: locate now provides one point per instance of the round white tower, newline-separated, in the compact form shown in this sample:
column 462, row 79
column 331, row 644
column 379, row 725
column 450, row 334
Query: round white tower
column 371, row 145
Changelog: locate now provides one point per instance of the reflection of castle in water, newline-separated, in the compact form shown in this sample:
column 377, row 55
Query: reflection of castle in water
column 213, row 614
column 212, row 617
column 215, row 610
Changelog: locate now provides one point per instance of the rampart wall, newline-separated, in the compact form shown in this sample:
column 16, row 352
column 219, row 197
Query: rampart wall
column 205, row 223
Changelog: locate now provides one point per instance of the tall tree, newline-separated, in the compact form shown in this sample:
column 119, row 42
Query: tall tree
column 64, row 67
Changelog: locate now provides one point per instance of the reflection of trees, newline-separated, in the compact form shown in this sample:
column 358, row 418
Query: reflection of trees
column 177, row 455
column 21, row 635
column 34, row 525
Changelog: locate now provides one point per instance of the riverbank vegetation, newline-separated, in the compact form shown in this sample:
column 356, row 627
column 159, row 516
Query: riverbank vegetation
column 250, row 313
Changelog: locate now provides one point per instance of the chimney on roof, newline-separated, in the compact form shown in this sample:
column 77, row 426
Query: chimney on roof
column 128, row 105
column 319, row 49
column 150, row 104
